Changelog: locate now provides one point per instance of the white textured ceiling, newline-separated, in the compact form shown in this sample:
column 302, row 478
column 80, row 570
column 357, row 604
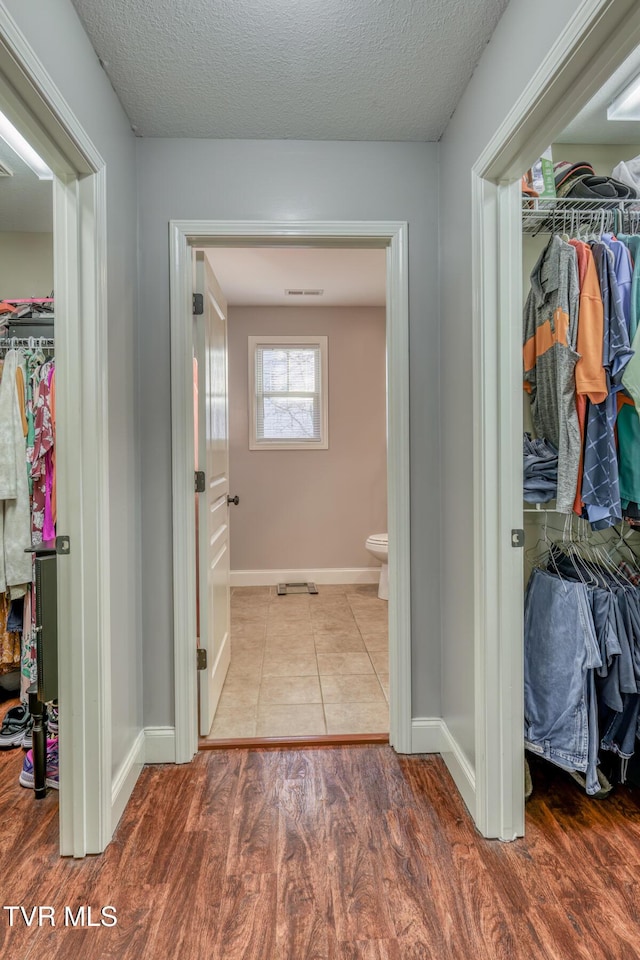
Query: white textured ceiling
column 280, row 69
column 591, row 124
column 26, row 203
column 258, row 276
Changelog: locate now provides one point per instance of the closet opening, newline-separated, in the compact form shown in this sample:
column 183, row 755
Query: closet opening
column 28, row 471
column 295, row 496
column 389, row 239
column 54, row 387
column 595, row 47
column 581, row 267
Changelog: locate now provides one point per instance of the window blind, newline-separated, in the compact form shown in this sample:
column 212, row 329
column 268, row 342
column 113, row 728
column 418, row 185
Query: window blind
column 288, row 393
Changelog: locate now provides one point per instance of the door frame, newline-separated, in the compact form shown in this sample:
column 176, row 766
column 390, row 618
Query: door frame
column 597, row 40
column 392, row 235
column 31, row 100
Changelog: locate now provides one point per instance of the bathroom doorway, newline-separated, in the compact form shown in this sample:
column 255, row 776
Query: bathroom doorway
column 308, row 642
column 392, row 238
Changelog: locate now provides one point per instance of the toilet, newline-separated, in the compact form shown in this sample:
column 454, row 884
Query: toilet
column 378, row 546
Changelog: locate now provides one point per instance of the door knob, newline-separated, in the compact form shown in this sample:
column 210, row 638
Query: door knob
column 235, row 500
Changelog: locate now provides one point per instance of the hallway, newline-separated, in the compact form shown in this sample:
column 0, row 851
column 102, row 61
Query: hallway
column 333, row 854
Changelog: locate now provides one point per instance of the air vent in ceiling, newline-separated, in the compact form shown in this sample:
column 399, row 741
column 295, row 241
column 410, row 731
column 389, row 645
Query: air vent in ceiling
column 304, row 293
column 5, row 171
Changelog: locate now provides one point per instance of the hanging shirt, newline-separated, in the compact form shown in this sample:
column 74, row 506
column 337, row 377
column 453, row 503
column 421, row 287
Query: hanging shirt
column 550, row 322
column 600, row 480
column 42, row 446
column 591, row 380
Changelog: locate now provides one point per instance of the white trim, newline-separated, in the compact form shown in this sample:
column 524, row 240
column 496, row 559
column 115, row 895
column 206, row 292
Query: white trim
column 460, row 769
column 322, row 442
column 40, row 112
column 326, row 575
column 159, row 745
column 185, row 234
column 432, row 735
column 595, row 42
column 426, row 735
column 126, row 778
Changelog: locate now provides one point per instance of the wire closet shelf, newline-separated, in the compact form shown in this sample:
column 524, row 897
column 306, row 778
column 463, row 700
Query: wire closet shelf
column 571, row 216
column 45, row 344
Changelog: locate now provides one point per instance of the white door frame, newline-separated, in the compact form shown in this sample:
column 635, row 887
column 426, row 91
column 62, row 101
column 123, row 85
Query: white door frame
column 599, row 37
column 35, row 105
column 184, row 235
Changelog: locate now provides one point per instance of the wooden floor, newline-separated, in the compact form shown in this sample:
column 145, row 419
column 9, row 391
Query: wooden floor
column 343, row 853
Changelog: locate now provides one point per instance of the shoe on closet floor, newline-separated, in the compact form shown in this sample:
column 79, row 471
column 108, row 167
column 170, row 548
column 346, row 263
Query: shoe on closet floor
column 52, row 778
column 27, row 737
column 52, row 718
column 14, row 726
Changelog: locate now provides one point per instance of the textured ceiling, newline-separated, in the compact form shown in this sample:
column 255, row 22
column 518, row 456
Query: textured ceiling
column 591, row 124
column 26, row 203
column 279, row 69
column 258, row 276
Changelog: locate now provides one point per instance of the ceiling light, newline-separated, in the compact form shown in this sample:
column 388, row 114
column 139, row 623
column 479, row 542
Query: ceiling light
column 626, row 105
column 25, row 151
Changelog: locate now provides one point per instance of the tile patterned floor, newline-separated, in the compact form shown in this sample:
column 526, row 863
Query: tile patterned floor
column 305, row 665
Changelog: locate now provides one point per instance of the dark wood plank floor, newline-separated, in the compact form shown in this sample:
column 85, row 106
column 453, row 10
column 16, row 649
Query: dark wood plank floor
column 341, row 853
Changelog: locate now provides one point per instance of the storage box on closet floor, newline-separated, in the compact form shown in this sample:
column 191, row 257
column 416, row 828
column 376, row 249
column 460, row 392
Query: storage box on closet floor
column 581, row 359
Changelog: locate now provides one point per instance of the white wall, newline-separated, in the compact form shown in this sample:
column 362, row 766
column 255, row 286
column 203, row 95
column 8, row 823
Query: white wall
column 305, row 509
column 522, row 38
column 26, row 264
column 287, row 180
column 55, row 33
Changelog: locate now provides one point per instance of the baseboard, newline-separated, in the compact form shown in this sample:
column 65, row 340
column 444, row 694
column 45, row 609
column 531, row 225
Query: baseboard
column 432, row 735
column 426, row 735
column 460, row 769
column 125, row 779
column 159, row 745
column 326, row 575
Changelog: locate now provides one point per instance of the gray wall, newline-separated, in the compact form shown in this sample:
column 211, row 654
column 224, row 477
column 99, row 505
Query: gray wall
column 305, row 509
column 55, row 33
column 26, row 264
column 286, row 180
column 522, row 38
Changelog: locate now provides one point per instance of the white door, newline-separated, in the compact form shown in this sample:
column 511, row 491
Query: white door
column 213, row 507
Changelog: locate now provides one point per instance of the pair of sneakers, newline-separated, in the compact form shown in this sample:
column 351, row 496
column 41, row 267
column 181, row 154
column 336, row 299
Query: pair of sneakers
column 52, row 780
column 16, row 728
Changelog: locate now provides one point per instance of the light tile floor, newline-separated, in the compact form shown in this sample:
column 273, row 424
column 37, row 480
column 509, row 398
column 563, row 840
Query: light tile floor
column 304, row 665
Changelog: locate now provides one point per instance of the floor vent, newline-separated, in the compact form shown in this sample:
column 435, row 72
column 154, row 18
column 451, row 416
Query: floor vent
column 288, row 588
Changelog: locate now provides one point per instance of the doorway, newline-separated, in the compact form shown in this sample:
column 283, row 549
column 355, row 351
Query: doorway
column 392, row 238
column 307, row 470
column 596, row 44
column 34, row 106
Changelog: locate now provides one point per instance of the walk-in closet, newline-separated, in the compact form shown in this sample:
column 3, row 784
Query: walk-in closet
column 581, row 449
column 28, row 500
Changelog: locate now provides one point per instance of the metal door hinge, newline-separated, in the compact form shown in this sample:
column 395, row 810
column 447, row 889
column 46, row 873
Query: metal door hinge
column 198, row 304
column 63, row 545
column 202, row 658
column 200, row 481
column 517, row 538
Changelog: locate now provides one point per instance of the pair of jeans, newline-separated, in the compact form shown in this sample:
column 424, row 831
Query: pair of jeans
column 560, row 653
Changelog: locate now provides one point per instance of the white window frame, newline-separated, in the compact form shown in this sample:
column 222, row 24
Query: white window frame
column 291, row 341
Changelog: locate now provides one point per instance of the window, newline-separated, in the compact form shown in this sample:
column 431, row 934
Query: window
column 288, row 393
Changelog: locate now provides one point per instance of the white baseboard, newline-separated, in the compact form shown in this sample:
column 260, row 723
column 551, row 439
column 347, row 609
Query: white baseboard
column 432, row 735
column 125, row 779
column 426, row 735
column 269, row 578
column 460, row 769
column 159, row 745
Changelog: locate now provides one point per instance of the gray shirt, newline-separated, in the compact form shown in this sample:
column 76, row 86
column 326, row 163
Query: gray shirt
column 550, row 329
